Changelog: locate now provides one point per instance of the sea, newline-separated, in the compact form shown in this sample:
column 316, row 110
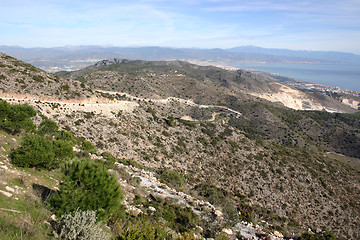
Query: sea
column 345, row 76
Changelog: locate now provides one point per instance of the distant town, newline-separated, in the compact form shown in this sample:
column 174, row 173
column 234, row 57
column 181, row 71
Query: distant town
column 308, row 86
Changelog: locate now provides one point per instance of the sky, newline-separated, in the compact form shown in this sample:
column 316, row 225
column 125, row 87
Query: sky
column 325, row 25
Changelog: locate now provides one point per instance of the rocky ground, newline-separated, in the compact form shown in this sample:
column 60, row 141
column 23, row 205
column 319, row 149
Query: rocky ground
column 287, row 185
column 248, row 167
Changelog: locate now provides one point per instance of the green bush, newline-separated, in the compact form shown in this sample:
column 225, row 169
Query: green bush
column 171, row 178
column 212, row 193
column 325, row 235
column 39, row 152
column 63, row 149
column 13, row 118
column 79, row 226
column 87, row 186
column 152, row 111
column 34, row 151
column 66, row 136
column 128, row 162
column 109, row 160
column 181, row 219
column 170, row 121
column 48, row 128
column 143, row 230
column 87, row 146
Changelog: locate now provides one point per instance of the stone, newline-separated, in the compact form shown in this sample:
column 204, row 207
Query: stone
column 4, row 167
column 9, row 189
column 199, row 229
column 7, row 194
column 152, row 209
column 53, row 217
column 228, row 231
column 278, row 234
column 134, row 210
column 218, row 213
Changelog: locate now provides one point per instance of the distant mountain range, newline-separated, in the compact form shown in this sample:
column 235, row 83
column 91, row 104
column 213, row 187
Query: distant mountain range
column 76, row 57
column 321, row 56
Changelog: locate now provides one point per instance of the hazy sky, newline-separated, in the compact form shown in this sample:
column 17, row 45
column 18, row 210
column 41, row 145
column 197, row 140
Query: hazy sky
column 310, row 25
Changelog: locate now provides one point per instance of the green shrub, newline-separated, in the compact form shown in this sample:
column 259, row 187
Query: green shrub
column 87, row 146
column 211, row 193
column 34, row 151
column 130, row 162
column 87, row 186
column 39, row 152
column 220, row 197
column 170, row 121
column 13, row 118
column 143, row 230
column 221, row 236
column 38, row 78
column 181, row 219
column 66, row 136
column 65, row 87
column 78, row 122
column 325, row 235
column 109, row 160
column 171, row 178
column 152, row 111
column 79, row 226
column 48, row 128
column 63, row 149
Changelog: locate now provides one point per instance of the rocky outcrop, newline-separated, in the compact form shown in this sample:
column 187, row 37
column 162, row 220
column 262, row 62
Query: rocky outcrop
column 299, row 100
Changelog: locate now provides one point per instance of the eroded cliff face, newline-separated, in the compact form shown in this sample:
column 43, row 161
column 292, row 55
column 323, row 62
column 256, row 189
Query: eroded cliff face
column 299, row 100
column 351, row 102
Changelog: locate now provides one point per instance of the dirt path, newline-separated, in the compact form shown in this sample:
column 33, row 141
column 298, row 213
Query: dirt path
column 169, row 99
column 104, row 106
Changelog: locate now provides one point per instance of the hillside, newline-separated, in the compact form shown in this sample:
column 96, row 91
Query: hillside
column 192, row 135
column 19, row 77
column 147, row 76
column 215, row 86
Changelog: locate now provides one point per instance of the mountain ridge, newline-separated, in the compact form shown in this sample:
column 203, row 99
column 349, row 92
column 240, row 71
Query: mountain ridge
column 321, row 55
column 76, row 57
column 237, row 80
column 270, row 165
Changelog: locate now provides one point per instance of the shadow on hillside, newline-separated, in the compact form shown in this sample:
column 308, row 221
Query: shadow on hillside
column 43, row 192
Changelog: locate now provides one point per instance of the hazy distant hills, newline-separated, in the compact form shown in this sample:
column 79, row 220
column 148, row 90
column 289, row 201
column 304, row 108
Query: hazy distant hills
column 76, row 57
column 319, row 55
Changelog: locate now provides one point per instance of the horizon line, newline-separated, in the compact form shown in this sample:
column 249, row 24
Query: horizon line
column 172, row 47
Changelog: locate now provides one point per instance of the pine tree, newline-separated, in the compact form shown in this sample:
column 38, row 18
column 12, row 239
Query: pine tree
column 34, row 151
column 13, row 118
column 87, row 186
column 48, row 128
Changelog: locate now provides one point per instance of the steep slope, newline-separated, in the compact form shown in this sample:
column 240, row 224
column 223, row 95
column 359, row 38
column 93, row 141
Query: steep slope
column 250, row 159
column 22, row 78
column 215, row 86
column 150, row 76
column 289, row 188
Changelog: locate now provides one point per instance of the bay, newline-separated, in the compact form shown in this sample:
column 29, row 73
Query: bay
column 346, row 76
